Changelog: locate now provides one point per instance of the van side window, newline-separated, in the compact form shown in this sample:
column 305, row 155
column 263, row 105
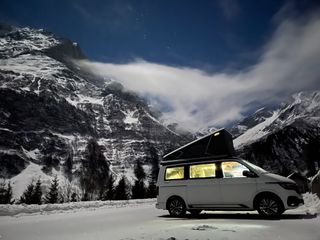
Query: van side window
column 207, row 170
column 232, row 169
column 174, row 173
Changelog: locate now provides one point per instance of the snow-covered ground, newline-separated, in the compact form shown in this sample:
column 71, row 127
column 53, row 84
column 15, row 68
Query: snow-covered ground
column 138, row 219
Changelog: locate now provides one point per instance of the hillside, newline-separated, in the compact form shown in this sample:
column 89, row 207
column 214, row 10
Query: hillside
column 50, row 110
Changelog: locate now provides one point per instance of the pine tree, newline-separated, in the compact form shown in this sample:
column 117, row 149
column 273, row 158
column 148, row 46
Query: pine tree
column 27, row 196
column 110, row 189
column 121, row 190
column 37, row 193
column 152, row 190
column 139, row 172
column 53, row 195
column 154, row 164
column 9, row 194
column 94, row 172
column 5, row 193
column 68, row 164
column 138, row 189
column 74, row 197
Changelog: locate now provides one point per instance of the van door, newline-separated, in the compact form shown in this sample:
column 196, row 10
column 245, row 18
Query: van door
column 237, row 191
column 203, row 186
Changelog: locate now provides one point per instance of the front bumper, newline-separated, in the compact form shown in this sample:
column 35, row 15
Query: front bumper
column 294, row 201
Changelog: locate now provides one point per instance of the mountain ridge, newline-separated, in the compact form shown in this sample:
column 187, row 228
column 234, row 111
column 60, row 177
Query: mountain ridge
column 51, row 108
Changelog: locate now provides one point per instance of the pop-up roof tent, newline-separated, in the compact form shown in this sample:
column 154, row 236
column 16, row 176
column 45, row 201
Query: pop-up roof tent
column 218, row 144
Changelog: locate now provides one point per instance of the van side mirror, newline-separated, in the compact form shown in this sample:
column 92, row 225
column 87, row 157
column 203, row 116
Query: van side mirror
column 249, row 174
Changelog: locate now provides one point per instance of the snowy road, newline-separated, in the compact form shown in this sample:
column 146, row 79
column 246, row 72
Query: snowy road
column 145, row 222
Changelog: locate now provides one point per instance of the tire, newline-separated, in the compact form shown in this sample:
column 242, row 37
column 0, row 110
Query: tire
column 269, row 206
column 176, row 207
column 195, row 212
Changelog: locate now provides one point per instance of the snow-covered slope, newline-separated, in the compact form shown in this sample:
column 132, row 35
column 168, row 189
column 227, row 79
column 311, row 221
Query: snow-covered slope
column 284, row 139
column 50, row 108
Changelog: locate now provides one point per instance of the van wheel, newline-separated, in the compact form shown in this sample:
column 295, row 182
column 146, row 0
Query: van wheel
column 195, row 212
column 176, row 207
column 269, row 206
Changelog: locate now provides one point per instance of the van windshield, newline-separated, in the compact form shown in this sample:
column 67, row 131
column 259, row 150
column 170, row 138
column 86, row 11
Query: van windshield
column 255, row 167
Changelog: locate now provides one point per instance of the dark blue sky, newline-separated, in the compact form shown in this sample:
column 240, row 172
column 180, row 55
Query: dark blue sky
column 209, row 35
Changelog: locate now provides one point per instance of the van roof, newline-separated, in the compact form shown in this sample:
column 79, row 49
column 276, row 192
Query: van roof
column 197, row 160
column 217, row 144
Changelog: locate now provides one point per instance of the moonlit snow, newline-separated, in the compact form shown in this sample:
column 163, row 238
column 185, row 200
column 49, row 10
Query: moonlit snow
column 139, row 219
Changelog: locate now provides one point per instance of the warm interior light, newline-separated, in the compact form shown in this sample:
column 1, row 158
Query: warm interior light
column 216, row 134
column 174, row 173
column 203, row 170
column 232, row 169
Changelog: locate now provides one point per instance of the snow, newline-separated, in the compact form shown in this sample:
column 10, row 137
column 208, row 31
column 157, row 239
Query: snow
column 35, row 209
column 311, row 204
column 33, row 40
column 33, row 154
column 84, row 99
column 129, row 117
column 256, row 132
column 301, row 106
column 139, row 219
column 32, row 173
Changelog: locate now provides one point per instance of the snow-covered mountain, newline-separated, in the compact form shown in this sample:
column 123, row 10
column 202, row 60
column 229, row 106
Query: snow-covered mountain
column 283, row 139
column 50, row 108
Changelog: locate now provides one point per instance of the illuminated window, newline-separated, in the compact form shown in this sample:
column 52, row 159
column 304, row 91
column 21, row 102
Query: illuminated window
column 173, row 173
column 203, row 170
column 233, row 169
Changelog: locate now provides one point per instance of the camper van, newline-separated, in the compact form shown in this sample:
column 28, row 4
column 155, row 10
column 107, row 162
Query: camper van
column 205, row 175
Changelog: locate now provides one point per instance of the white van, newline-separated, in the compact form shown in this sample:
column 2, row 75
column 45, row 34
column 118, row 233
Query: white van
column 230, row 183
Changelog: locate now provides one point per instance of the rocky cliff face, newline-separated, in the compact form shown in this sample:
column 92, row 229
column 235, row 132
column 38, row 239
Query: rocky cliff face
column 50, row 108
column 284, row 139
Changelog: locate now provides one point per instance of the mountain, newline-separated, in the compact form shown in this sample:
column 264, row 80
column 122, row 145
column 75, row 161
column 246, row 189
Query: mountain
column 285, row 139
column 55, row 116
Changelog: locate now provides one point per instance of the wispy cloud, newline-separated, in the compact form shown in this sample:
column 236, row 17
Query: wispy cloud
column 289, row 63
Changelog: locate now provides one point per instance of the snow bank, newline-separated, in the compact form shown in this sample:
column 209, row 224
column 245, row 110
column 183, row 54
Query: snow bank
column 13, row 210
column 311, row 203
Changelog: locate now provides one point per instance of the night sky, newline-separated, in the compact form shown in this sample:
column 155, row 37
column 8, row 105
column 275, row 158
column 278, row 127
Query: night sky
column 204, row 34
column 202, row 63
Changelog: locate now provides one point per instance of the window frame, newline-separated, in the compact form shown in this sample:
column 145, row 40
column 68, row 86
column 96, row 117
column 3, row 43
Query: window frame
column 218, row 170
column 222, row 172
column 175, row 166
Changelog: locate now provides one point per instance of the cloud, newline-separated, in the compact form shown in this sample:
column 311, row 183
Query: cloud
column 197, row 99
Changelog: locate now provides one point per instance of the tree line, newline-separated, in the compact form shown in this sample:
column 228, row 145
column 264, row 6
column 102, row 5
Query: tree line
column 95, row 182
column 37, row 193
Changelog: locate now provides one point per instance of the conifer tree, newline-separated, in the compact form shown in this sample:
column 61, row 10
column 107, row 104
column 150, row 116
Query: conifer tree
column 154, row 164
column 9, row 194
column 139, row 172
column 53, row 195
column 110, row 189
column 37, row 193
column 27, row 194
column 121, row 190
column 152, row 190
column 5, row 193
column 94, row 171
column 138, row 189
column 74, row 197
